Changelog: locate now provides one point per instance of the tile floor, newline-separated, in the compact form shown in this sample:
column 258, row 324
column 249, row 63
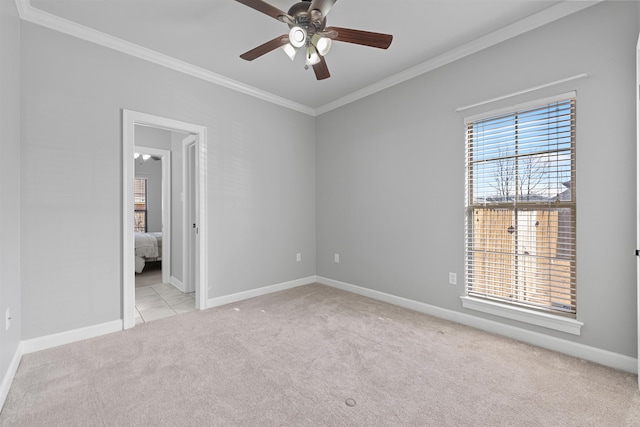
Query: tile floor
column 158, row 300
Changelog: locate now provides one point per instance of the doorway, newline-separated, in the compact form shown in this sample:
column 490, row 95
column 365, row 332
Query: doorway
column 155, row 215
column 197, row 139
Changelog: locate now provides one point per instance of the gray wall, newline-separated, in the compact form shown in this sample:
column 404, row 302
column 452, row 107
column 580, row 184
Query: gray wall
column 261, row 181
column 390, row 171
column 10, row 186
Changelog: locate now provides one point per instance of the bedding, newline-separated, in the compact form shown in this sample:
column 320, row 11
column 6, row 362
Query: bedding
column 148, row 247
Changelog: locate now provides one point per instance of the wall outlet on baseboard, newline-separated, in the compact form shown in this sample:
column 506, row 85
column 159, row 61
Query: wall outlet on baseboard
column 336, row 258
column 298, row 257
column 453, row 278
column 8, row 319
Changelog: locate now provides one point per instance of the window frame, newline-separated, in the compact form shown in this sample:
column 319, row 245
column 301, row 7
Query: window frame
column 146, row 204
column 513, row 310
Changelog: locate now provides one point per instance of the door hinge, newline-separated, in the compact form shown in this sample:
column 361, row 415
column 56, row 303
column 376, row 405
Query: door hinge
column 637, row 252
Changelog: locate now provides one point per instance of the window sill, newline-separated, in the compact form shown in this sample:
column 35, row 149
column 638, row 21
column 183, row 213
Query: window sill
column 520, row 314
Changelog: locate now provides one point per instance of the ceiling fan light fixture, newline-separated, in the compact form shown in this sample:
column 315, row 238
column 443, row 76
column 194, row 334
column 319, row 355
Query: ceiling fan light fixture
column 136, row 155
column 146, row 157
column 312, row 56
column 297, row 37
column 290, row 51
column 322, row 44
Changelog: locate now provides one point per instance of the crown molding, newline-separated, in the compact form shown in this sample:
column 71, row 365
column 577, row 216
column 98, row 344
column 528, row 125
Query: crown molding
column 36, row 16
column 529, row 23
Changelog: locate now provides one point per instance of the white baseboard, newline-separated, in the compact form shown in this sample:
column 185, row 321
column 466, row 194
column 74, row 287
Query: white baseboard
column 593, row 354
column 178, row 284
column 9, row 375
column 228, row 299
column 54, row 340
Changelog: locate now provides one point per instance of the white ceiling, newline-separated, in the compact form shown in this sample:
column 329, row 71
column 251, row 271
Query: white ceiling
column 211, row 34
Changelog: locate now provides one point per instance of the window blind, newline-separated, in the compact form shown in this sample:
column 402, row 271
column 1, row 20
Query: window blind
column 521, row 207
column 140, row 204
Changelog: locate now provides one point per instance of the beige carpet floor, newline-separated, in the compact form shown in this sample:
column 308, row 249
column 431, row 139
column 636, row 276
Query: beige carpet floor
column 313, row 356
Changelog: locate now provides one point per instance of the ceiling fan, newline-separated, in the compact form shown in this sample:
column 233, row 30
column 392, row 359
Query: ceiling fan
column 308, row 31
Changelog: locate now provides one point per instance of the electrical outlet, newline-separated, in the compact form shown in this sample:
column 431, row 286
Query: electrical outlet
column 8, row 319
column 453, row 278
column 336, row 258
column 298, row 257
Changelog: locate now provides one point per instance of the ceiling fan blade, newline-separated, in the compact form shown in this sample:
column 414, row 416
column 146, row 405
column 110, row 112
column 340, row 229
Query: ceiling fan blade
column 324, row 6
column 365, row 38
column 267, row 47
column 321, row 69
column 267, row 9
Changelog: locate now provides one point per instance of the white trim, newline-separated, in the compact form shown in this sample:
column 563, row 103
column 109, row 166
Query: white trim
column 202, row 267
column 177, row 283
column 36, row 16
column 521, row 92
column 165, row 156
column 129, row 120
column 593, row 354
column 558, row 323
column 529, row 23
column 7, row 380
column 558, row 11
column 49, row 341
column 228, row 299
column 128, row 261
column 522, row 106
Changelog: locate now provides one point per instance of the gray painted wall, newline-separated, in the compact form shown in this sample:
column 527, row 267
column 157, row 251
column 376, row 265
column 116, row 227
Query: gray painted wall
column 390, row 175
column 261, row 181
column 390, row 171
column 10, row 183
column 152, row 170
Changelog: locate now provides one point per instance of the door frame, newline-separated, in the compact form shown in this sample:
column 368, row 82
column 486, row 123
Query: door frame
column 165, row 157
column 189, row 281
column 130, row 119
column 638, row 199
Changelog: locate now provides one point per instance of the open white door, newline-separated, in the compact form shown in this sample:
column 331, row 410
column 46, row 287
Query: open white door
column 638, row 196
column 191, row 230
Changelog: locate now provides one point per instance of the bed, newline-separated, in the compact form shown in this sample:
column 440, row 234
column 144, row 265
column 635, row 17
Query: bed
column 148, row 247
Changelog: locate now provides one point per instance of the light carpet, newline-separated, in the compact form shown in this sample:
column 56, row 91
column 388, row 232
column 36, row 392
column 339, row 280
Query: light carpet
column 313, row 356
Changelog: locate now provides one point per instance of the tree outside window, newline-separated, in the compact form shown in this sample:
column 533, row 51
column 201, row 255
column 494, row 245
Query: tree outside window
column 521, row 208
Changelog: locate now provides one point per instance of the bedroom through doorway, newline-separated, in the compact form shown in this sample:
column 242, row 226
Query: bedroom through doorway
column 159, row 289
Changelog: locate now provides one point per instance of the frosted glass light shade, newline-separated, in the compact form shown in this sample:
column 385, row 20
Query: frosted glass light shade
column 322, row 44
column 290, row 51
column 297, row 37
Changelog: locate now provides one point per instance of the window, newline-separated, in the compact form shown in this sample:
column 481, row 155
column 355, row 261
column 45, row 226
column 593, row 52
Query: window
column 140, row 205
column 521, row 207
